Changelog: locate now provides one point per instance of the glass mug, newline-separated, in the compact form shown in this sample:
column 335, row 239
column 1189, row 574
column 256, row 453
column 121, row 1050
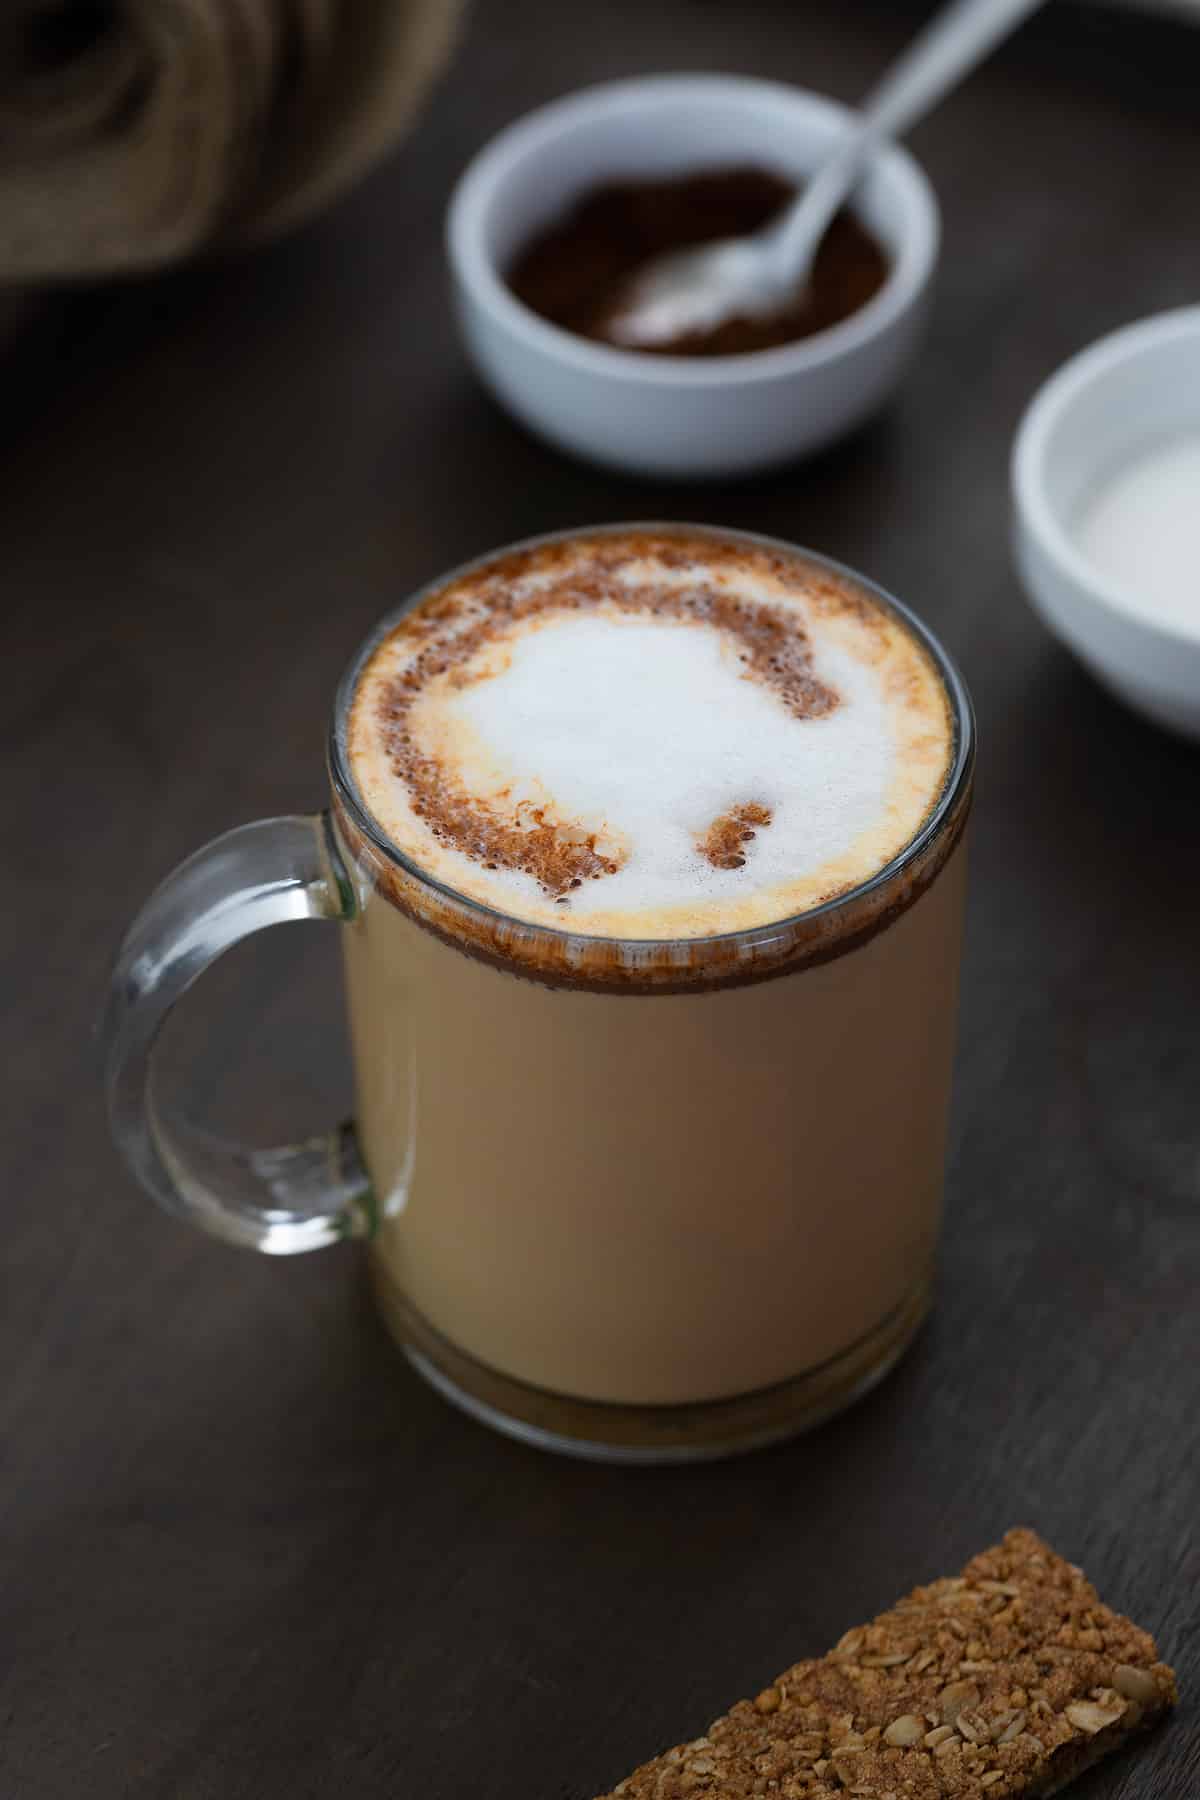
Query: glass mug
column 644, row 1201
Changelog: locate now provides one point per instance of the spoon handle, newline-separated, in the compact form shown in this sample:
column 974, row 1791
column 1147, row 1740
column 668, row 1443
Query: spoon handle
column 955, row 40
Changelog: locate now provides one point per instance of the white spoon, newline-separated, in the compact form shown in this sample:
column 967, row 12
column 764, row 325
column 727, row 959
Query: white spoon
column 696, row 290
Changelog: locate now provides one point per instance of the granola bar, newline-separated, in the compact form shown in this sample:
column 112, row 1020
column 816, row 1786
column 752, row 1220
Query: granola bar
column 1006, row 1680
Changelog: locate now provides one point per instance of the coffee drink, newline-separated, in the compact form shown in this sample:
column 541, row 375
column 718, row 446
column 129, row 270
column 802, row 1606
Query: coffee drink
column 656, row 842
column 647, row 848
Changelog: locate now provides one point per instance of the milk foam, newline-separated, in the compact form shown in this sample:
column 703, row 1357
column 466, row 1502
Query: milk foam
column 557, row 695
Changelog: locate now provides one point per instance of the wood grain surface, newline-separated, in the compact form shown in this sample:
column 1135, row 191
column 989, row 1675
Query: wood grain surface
column 244, row 1553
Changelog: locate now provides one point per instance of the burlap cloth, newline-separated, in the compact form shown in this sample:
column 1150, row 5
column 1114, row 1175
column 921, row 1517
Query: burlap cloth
column 136, row 132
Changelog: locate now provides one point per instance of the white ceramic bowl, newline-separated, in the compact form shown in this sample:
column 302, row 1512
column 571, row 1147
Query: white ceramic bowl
column 1125, row 393
column 680, row 416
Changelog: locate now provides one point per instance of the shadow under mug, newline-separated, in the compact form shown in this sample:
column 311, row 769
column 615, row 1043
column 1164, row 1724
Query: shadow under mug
column 644, row 1200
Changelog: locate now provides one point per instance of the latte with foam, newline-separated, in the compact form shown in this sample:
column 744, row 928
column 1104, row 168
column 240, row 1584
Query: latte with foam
column 643, row 736
column 678, row 1187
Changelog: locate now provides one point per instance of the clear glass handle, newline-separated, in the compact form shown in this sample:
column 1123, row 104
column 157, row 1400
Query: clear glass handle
column 296, row 1197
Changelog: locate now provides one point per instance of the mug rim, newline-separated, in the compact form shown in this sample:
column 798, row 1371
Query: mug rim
column 916, row 208
column 945, row 808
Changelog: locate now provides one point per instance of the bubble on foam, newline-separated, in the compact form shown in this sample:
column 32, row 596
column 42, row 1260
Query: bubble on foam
column 681, row 754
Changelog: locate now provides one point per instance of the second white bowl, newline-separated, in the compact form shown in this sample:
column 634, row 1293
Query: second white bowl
column 681, row 416
column 1135, row 389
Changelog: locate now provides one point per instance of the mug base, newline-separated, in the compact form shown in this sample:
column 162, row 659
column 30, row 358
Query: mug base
column 612, row 1432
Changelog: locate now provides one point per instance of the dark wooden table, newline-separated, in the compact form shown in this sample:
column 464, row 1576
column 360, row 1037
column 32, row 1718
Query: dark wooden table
column 244, row 1553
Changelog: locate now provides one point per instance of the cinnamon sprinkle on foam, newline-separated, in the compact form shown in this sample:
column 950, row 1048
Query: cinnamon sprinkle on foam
column 723, row 843
column 654, row 733
column 533, row 839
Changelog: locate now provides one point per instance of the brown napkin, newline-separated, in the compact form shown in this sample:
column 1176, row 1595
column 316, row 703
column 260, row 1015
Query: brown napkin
column 135, row 132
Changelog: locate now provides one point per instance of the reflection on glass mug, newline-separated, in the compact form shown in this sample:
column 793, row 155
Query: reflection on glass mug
column 647, row 843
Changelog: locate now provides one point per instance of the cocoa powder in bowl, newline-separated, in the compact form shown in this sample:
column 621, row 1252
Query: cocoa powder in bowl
column 574, row 271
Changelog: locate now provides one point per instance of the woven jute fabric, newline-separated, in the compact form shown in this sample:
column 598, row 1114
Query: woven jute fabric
column 144, row 131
